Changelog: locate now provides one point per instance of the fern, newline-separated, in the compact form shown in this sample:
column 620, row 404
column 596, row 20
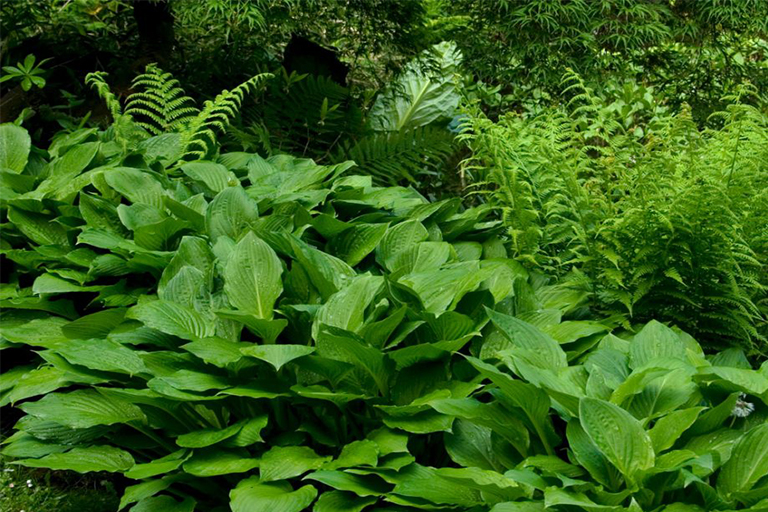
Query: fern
column 302, row 115
column 199, row 134
column 159, row 104
column 667, row 224
column 97, row 80
column 160, row 107
column 407, row 156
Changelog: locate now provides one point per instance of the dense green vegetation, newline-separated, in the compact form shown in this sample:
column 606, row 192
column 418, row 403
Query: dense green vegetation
column 336, row 255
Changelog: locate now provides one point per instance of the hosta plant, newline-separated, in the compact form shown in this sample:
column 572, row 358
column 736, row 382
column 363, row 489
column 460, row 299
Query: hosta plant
column 253, row 334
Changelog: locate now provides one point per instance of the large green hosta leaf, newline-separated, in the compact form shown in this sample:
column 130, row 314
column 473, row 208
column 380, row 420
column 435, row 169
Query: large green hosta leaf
column 619, row 436
column 252, row 277
column 84, row 460
column 83, row 409
column 250, row 495
column 419, row 97
column 172, row 318
column 747, row 465
column 14, row 147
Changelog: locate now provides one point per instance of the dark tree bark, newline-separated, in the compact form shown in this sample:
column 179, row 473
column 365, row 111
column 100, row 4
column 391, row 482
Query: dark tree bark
column 304, row 56
column 154, row 22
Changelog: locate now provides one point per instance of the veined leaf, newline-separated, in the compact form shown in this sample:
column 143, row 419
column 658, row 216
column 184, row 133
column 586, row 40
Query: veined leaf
column 215, row 176
column 172, row 318
column 231, row 213
column 252, row 277
column 137, row 186
column 356, row 242
column 277, row 355
column 250, row 495
column 531, row 339
column 655, row 341
column 281, row 463
column 618, row 435
column 164, row 504
column 15, row 144
column 399, row 238
column 346, row 308
column 217, row 461
column 102, row 354
column 748, row 463
column 83, row 409
column 38, row 227
column 159, row 466
column 429, row 95
column 340, row 501
column 84, row 460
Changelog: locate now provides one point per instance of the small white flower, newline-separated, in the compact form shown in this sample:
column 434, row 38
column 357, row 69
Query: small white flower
column 11, row 485
column 742, row 408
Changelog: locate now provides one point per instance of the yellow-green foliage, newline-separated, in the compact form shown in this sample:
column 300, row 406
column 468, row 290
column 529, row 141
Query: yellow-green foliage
column 656, row 219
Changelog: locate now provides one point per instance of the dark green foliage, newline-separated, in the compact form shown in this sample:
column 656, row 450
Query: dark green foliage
column 696, row 51
column 402, row 137
column 390, row 275
column 260, row 333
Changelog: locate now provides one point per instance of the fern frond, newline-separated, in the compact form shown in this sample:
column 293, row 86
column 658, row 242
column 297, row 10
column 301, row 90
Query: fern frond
column 159, row 104
column 199, row 135
column 97, row 80
column 392, row 158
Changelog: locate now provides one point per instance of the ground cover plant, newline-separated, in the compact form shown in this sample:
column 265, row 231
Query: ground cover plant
column 237, row 332
column 637, row 205
column 389, row 255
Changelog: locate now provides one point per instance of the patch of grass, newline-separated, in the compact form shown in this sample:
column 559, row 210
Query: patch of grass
column 39, row 490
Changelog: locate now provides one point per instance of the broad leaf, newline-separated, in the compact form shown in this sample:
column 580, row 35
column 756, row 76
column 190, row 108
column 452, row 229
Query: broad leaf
column 618, row 435
column 250, row 495
column 252, row 277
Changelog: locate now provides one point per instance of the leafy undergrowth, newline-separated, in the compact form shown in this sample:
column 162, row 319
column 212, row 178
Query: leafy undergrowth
column 255, row 335
column 32, row 490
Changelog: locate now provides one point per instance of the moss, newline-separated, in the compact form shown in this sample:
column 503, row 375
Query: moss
column 38, row 490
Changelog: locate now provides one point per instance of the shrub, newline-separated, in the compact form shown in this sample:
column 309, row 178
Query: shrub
column 273, row 333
